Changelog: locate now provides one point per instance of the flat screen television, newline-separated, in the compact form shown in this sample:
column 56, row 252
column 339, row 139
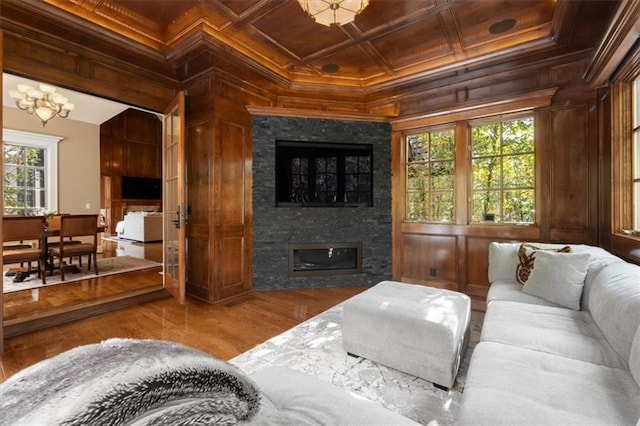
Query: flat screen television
column 140, row 188
column 324, row 174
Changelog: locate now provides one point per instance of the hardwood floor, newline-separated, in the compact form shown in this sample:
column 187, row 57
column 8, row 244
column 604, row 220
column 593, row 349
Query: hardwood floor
column 224, row 330
column 26, row 305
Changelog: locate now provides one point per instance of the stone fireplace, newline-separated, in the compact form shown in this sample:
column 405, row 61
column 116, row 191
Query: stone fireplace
column 278, row 228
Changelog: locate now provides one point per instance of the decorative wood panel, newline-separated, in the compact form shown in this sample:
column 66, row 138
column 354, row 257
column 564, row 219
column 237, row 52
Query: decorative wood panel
column 233, row 189
column 476, row 257
column 570, row 168
column 199, row 275
column 476, row 254
column 41, row 54
column 199, row 173
column 512, row 83
column 106, row 141
column 232, row 172
column 430, row 259
column 232, row 277
column 141, row 160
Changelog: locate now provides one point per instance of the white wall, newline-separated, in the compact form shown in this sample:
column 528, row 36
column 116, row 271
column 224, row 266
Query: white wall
column 78, row 158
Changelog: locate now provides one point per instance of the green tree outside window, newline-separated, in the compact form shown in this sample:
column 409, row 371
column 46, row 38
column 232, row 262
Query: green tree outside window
column 24, row 179
column 430, row 176
column 503, row 178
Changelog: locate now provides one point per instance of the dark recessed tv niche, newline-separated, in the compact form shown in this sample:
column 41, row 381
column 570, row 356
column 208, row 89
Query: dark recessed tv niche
column 324, row 174
column 140, row 188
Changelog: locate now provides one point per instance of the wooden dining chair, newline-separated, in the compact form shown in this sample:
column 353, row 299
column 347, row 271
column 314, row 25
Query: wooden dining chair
column 16, row 231
column 83, row 225
column 53, row 225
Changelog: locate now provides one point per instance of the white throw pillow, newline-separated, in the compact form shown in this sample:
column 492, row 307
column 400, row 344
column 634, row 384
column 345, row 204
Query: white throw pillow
column 503, row 258
column 558, row 277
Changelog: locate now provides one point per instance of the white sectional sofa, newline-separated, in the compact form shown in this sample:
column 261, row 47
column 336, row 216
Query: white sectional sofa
column 564, row 347
column 141, row 226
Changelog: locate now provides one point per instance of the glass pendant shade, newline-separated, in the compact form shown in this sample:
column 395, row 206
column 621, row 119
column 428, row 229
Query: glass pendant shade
column 338, row 12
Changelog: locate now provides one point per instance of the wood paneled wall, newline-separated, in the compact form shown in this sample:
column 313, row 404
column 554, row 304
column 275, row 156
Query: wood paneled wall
column 219, row 188
column 130, row 145
column 570, row 175
column 454, row 256
column 58, row 52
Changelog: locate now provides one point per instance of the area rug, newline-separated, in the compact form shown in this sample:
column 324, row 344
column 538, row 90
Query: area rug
column 106, row 266
column 315, row 347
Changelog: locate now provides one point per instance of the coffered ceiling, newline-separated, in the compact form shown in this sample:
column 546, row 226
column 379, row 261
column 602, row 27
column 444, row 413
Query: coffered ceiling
column 390, row 41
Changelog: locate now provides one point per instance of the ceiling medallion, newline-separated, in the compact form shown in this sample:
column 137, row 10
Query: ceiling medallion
column 338, row 12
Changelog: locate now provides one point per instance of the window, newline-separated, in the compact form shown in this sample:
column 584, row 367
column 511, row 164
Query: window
column 30, row 172
column 499, row 166
column 503, row 178
column 430, row 176
column 24, row 182
column 636, row 155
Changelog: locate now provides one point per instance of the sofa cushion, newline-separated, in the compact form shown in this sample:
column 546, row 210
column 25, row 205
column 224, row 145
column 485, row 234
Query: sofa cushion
column 290, row 397
column 527, row 256
column 615, row 304
column 559, row 331
column 509, row 385
column 558, row 277
column 512, row 291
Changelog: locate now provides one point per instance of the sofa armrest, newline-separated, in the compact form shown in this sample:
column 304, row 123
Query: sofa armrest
column 293, row 397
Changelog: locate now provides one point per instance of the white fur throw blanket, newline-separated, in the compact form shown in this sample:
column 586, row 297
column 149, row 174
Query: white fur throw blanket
column 127, row 381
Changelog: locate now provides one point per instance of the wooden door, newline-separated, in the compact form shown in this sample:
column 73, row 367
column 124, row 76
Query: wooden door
column 174, row 198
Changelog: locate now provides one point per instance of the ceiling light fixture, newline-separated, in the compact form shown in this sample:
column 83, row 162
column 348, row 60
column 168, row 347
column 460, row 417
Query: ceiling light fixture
column 44, row 102
column 338, row 12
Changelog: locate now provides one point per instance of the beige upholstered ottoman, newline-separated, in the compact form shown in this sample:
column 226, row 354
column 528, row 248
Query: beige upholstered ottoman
column 422, row 331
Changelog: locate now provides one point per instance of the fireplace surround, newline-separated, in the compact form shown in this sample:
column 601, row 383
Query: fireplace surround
column 276, row 228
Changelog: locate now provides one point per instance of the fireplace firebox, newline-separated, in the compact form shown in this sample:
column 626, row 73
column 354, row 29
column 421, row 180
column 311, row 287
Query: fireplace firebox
column 325, row 259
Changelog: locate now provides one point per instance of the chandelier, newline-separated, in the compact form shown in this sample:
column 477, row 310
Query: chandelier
column 44, row 102
column 338, row 12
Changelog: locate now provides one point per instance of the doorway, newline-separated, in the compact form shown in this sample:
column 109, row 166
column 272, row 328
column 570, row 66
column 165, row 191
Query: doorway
column 80, row 141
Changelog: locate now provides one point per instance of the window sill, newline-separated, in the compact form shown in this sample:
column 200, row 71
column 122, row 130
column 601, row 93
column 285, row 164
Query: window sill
column 629, row 234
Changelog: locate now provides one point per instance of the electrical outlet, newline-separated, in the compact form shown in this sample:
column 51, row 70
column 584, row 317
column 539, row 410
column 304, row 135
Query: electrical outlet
column 432, row 272
column 87, row 206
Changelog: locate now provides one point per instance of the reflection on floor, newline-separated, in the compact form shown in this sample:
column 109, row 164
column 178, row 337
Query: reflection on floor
column 29, row 303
